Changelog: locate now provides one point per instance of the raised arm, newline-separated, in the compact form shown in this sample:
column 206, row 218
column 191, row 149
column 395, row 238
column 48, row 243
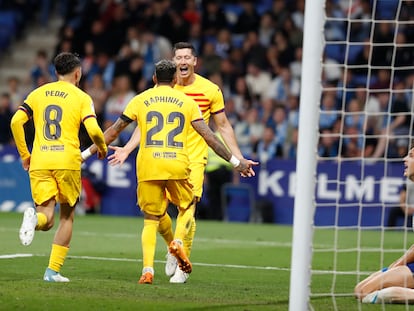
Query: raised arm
column 110, row 135
column 122, row 153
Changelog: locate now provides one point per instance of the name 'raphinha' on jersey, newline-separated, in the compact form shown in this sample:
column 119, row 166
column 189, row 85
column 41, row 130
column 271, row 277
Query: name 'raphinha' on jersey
column 163, row 99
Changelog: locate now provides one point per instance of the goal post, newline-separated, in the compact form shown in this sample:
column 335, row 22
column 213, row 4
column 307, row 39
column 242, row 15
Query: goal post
column 360, row 58
column 306, row 156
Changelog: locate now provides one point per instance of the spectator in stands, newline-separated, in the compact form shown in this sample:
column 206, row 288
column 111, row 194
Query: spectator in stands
column 280, row 12
column 248, row 132
column 286, row 52
column 292, row 150
column 329, row 113
column 211, row 61
column 266, row 29
column 223, row 44
column 99, row 94
column 292, row 105
column 383, row 47
column 267, row 146
column 328, row 146
column 241, row 96
column 397, row 122
column 298, row 14
column 212, row 18
column 6, row 115
column 254, row 51
column 283, row 85
column 42, row 68
column 15, row 92
column 281, row 125
column 404, row 55
column 247, row 19
column 119, row 97
column 191, row 12
column 266, row 108
column 257, row 80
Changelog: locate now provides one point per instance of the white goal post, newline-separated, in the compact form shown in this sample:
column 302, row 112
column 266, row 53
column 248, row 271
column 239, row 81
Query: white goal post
column 350, row 204
column 306, row 160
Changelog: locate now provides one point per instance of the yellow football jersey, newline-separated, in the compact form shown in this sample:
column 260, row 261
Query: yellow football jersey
column 164, row 117
column 210, row 99
column 57, row 109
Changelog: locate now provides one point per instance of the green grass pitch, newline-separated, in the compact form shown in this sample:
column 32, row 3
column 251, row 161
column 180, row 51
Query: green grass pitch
column 236, row 266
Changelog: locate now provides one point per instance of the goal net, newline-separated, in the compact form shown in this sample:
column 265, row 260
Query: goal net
column 348, row 222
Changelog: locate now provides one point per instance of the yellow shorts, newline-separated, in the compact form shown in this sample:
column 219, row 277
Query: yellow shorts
column 152, row 195
column 197, row 178
column 62, row 185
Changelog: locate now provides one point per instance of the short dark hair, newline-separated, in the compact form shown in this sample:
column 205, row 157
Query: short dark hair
column 66, row 63
column 165, row 71
column 184, row 45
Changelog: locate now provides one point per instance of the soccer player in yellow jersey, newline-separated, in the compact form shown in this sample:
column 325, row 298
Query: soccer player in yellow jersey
column 210, row 99
column 54, row 165
column 165, row 118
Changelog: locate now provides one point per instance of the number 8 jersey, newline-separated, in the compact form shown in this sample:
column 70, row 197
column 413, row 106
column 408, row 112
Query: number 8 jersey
column 164, row 117
column 57, row 109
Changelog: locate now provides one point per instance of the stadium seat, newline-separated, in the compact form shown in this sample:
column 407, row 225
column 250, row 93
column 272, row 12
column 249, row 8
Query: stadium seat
column 8, row 28
column 238, row 202
column 335, row 51
column 386, row 9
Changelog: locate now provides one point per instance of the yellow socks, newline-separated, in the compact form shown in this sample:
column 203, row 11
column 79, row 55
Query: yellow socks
column 189, row 238
column 184, row 220
column 149, row 240
column 41, row 221
column 165, row 228
column 57, row 257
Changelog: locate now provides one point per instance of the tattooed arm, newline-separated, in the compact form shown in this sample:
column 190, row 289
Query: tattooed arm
column 110, row 135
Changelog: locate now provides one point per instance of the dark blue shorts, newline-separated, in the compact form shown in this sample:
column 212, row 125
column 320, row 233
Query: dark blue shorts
column 410, row 266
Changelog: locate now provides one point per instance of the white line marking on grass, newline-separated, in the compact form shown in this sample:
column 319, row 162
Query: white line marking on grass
column 10, row 256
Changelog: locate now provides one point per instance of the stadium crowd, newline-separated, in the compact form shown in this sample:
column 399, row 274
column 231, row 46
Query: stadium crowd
column 253, row 51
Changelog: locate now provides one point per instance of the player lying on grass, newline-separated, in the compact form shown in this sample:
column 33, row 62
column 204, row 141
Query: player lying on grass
column 394, row 284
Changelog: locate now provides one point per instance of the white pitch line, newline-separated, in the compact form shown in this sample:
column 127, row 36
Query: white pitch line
column 11, row 256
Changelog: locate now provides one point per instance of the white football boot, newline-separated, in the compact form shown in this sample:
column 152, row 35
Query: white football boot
column 27, row 229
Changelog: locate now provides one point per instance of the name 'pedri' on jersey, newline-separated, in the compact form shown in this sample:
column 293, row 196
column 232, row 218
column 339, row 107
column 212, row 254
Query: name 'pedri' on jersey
column 164, row 117
column 57, row 108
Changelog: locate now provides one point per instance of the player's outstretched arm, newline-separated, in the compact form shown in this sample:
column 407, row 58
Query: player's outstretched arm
column 110, row 135
column 219, row 148
column 122, row 153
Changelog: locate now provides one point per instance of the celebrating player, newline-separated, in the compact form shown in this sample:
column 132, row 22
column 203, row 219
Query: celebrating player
column 211, row 102
column 164, row 118
column 54, row 166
